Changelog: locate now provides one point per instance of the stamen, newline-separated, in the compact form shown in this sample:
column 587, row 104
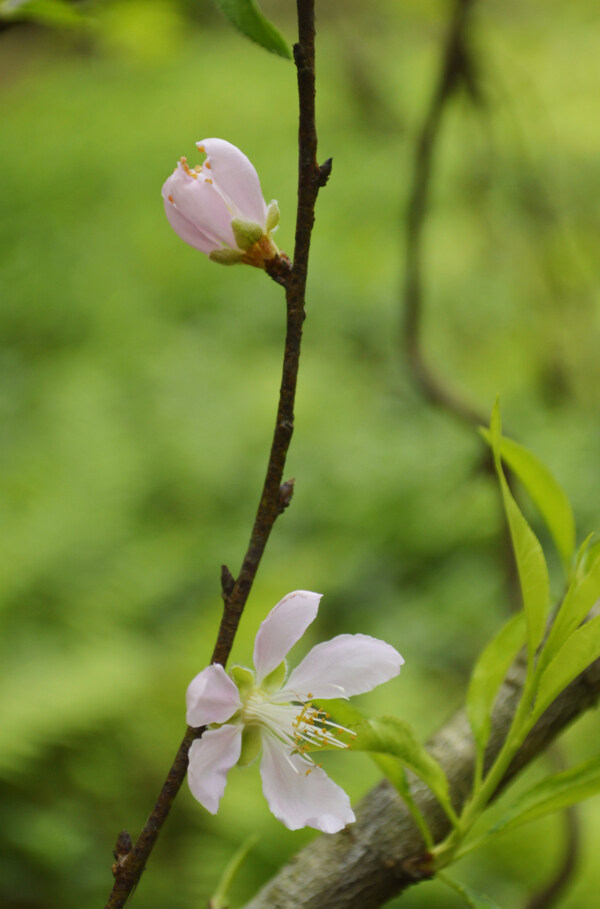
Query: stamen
column 171, row 199
column 206, row 163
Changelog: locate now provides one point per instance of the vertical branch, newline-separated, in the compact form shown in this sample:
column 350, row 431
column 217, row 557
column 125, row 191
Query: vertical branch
column 275, row 497
column 455, row 67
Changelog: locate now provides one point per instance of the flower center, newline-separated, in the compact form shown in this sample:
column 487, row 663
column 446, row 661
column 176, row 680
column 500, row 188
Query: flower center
column 300, row 725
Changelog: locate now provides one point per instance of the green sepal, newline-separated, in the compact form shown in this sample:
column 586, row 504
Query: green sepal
column 251, row 745
column 272, row 215
column 244, row 679
column 225, row 256
column 274, row 681
column 246, row 233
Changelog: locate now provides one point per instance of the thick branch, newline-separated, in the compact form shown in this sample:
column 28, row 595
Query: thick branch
column 376, row 858
column 275, row 495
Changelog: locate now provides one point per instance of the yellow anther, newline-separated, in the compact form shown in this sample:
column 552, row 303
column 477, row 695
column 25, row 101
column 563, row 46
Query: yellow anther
column 206, row 163
column 208, row 180
column 171, row 199
column 198, row 168
column 202, row 149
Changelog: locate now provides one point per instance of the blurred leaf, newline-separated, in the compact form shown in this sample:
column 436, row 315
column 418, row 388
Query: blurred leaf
column 546, row 493
column 472, row 898
column 50, row 12
column 219, row 900
column 531, row 564
column 552, row 794
column 489, row 673
column 248, row 19
column 576, row 654
column 390, row 735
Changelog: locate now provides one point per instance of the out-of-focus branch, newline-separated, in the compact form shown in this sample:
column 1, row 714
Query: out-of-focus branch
column 456, row 69
column 131, row 860
column 379, row 856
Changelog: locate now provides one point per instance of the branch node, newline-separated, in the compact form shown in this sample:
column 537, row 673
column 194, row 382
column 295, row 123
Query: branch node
column 419, row 867
column 121, row 851
column 279, row 268
column 286, row 491
column 227, row 582
column 324, row 172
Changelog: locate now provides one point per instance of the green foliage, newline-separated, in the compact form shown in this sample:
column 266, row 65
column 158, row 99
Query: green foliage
column 392, row 736
column 471, row 897
column 488, row 674
column 248, row 19
column 531, row 564
column 552, row 794
column 577, row 653
column 546, row 493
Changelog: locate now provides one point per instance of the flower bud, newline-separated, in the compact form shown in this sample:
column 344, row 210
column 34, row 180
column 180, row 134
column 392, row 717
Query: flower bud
column 218, row 207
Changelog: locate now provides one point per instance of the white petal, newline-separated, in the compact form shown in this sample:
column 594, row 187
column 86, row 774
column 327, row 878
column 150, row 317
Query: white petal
column 348, row 664
column 211, row 697
column 284, row 625
column 298, row 799
column 235, row 177
column 210, row 760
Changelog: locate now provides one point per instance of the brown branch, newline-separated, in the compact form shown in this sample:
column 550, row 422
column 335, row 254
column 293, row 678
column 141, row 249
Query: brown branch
column 380, row 855
column 456, row 69
column 276, row 495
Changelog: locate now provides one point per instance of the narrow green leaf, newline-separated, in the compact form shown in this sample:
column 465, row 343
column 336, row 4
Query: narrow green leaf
column 390, row 735
column 583, row 592
column 472, row 898
column 248, row 19
column 546, row 493
column 531, row 564
column 219, row 899
column 576, row 654
column 488, row 675
column 392, row 767
column 552, row 794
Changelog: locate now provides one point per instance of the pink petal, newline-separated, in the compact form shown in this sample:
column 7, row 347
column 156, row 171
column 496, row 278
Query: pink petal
column 186, row 230
column 201, row 204
column 298, row 799
column 236, row 178
column 211, row 697
column 284, row 625
column 348, row 664
column 210, row 760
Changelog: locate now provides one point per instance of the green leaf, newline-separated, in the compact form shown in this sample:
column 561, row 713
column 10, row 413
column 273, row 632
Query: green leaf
column 583, row 592
column 552, row 794
column 488, row 675
column 472, row 898
column 390, row 735
column 531, row 564
column 219, row 900
column 546, row 493
column 248, row 19
column 576, row 654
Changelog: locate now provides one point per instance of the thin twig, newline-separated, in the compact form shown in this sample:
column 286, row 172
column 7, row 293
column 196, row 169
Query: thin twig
column 275, row 495
column 455, row 69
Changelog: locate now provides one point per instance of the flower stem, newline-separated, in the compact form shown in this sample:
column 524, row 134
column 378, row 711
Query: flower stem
column 275, row 495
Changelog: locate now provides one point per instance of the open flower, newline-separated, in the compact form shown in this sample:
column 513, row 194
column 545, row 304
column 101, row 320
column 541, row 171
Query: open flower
column 218, row 206
column 262, row 711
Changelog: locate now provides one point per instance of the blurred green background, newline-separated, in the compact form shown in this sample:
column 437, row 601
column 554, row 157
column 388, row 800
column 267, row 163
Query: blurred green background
column 138, row 385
